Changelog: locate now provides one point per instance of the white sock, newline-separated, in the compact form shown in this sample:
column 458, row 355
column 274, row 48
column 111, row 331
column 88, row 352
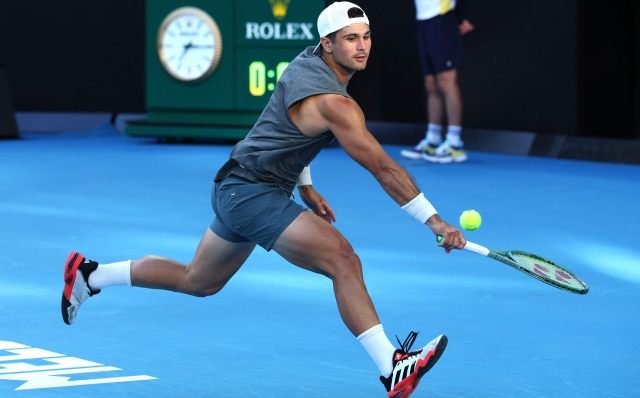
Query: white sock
column 434, row 134
column 114, row 274
column 379, row 348
column 453, row 135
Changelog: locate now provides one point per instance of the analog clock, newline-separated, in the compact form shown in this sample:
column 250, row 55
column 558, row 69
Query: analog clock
column 189, row 44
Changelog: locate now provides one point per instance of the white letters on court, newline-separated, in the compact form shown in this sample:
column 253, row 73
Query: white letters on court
column 13, row 367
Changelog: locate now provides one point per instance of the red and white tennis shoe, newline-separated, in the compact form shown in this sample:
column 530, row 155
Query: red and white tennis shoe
column 409, row 367
column 76, row 285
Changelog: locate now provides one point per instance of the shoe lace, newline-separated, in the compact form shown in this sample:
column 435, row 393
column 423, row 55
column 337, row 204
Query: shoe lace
column 419, row 146
column 401, row 374
column 408, row 342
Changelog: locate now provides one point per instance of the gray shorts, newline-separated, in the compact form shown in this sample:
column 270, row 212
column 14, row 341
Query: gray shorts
column 252, row 212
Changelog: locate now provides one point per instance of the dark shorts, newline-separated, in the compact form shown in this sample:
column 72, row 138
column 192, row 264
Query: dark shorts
column 440, row 44
column 252, row 212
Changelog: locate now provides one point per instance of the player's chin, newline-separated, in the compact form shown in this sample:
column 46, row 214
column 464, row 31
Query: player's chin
column 360, row 65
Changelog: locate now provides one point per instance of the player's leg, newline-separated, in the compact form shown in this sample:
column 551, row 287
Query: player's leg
column 215, row 262
column 313, row 244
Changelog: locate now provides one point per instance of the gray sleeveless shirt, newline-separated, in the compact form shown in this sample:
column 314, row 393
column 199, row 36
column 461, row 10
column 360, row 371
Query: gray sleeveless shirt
column 275, row 150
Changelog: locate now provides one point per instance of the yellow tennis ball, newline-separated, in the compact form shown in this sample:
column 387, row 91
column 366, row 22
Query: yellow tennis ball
column 470, row 220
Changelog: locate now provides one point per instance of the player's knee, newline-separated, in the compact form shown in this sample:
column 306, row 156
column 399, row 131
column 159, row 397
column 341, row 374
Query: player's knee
column 194, row 286
column 349, row 265
column 203, row 291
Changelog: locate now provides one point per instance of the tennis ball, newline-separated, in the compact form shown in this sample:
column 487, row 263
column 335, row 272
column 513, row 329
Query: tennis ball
column 470, row 220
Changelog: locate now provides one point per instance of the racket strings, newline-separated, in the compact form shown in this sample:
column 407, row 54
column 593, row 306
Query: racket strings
column 548, row 270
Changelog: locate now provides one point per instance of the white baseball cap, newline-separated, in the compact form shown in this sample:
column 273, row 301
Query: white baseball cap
column 336, row 17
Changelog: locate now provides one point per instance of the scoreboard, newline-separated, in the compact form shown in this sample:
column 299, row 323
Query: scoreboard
column 211, row 66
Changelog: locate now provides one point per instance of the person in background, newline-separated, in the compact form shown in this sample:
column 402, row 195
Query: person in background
column 441, row 24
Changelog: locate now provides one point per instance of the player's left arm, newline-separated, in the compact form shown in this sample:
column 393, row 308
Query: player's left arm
column 313, row 199
column 318, row 205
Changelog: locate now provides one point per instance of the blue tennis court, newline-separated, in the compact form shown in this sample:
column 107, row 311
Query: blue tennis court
column 275, row 331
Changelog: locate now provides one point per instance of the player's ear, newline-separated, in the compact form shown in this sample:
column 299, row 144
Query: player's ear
column 326, row 44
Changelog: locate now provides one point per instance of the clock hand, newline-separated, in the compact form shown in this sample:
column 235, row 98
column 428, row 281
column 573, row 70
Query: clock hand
column 202, row 46
column 186, row 48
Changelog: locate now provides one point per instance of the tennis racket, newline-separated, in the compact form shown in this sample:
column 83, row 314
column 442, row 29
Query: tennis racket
column 535, row 266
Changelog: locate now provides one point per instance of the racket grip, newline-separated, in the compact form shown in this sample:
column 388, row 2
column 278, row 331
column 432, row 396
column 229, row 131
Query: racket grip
column 476, row 248
column 470, row 246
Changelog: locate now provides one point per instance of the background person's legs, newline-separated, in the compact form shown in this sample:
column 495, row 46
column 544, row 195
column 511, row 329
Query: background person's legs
column 447, row 83
column 433, row 135
column 435, row 112
column 447, row 92
column 435, row 100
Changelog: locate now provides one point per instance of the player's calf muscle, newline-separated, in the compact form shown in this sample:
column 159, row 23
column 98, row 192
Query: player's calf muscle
column 166, row 274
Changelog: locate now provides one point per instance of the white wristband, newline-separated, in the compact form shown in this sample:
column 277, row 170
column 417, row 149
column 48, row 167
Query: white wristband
column 420, row 208
column 305, row 177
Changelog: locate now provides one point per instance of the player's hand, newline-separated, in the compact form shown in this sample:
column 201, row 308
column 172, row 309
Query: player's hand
column 316, row 203
column 452, row 237
column 465, row 27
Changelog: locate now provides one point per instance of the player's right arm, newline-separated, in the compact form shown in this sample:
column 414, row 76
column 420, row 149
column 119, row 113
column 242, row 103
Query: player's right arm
column 345, row 119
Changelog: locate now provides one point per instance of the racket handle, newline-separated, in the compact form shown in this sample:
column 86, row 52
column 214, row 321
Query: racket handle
column 470, row 246
column 476, row 248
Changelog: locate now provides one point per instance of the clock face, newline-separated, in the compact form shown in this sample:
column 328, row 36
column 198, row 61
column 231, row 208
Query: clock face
column 189, row 44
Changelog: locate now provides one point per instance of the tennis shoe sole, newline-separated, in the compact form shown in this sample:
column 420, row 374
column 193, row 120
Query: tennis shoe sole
column 76, row 285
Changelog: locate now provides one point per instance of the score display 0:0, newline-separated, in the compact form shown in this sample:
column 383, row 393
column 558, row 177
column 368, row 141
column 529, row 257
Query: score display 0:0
column 258, row 75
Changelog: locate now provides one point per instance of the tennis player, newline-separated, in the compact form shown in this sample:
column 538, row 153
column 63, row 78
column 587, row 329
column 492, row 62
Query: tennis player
column 252, row 202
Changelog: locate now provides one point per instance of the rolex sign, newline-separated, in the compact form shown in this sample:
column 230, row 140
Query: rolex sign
column 278, row 23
